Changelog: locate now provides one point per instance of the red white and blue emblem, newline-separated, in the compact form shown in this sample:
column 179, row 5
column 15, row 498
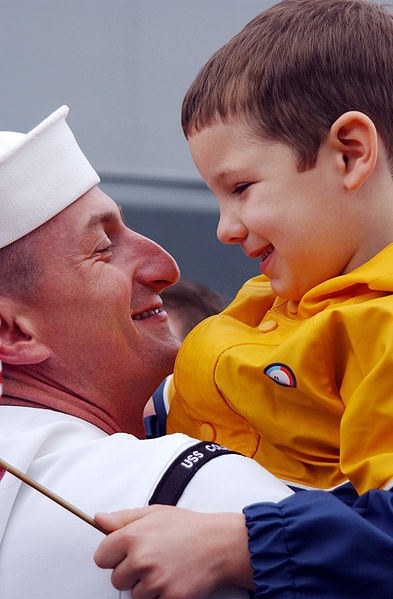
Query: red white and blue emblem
column 281, row 374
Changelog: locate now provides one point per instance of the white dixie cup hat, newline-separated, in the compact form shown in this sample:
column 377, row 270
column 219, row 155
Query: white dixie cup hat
column 41, row 173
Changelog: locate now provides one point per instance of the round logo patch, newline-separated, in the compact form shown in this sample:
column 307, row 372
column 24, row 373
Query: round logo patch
column 281, row 374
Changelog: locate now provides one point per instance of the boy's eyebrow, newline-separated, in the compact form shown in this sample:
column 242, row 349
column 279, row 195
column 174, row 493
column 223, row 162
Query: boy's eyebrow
column 226, row 173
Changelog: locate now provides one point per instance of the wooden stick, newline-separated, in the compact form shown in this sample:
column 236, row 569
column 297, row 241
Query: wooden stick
column 38, row 487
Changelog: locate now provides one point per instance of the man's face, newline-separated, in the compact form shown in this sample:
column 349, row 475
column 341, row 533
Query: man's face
column 97, row 306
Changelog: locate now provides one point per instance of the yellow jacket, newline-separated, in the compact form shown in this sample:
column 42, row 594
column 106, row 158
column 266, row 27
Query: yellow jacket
column 306, row 389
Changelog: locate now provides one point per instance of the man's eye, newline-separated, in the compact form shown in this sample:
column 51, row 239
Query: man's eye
column 106, row 246
column 105, row 249
column 240, row 188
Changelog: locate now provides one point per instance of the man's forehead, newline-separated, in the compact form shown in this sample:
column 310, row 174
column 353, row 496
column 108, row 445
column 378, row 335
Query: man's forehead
column 93, row 209
column 74, row 226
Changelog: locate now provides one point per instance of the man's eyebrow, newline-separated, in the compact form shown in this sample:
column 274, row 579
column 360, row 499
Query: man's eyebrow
column 107, row 218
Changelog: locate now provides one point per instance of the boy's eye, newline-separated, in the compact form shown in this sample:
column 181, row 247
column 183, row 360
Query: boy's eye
column 240, row 188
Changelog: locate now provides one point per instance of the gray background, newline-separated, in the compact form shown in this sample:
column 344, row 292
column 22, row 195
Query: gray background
column 123, row 67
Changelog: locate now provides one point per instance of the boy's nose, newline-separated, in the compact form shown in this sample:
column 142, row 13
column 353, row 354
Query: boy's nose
column 230, row 229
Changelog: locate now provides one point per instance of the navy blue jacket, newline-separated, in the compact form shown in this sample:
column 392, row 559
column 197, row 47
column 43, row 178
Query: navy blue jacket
column 321, row 545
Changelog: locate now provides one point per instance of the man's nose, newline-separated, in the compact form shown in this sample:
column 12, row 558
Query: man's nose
column 157, row 268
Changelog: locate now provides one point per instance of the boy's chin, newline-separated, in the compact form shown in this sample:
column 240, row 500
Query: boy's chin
column 285, row 290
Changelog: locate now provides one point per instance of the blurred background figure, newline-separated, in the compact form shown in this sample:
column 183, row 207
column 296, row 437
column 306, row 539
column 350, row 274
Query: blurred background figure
column 189, row 302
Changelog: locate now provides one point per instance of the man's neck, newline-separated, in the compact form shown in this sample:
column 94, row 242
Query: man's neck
column 24, row 388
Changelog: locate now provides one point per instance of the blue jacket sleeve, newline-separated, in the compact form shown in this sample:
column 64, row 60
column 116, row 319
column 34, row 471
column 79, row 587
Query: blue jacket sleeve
column 317, row 545
column 155, row 425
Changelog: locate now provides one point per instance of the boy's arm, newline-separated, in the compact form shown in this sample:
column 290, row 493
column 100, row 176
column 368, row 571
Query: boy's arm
column 313, row 544
column 155, row 420
column 365, row 364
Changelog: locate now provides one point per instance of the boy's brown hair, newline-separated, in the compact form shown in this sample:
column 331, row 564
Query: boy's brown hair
column 295, row 68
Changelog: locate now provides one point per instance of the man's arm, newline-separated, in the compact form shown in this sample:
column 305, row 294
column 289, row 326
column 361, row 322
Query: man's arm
column 174, row 553
column 311, row 544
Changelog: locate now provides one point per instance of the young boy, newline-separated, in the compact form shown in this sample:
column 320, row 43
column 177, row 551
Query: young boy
column 291, row 126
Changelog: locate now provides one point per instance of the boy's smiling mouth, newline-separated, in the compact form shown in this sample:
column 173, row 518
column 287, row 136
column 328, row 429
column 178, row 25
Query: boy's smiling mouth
column 265, row 255
column 266, row 252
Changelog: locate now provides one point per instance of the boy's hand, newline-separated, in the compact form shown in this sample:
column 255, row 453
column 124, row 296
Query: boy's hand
column 174, row 553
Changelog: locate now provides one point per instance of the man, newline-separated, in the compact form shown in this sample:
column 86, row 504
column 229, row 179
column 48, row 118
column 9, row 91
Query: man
column 84, row 343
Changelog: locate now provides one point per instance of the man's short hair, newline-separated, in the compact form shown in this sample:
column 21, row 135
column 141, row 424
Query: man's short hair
column 295, row 68
column 20, row 267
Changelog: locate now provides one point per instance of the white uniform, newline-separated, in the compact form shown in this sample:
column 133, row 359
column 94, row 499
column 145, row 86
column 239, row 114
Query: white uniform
column 46, row 551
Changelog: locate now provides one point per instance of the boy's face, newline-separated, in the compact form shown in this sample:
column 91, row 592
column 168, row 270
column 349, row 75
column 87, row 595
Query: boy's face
column 299, row 225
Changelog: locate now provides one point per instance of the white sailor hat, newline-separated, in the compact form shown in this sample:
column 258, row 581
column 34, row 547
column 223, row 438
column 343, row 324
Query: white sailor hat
column 41, row 173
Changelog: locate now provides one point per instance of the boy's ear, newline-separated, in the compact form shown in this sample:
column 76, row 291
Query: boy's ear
column 19, row 345
column 354, row 135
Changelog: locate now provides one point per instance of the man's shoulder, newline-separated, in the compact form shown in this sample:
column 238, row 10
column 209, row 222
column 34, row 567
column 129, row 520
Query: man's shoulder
column 78, row 461
column 36, row 438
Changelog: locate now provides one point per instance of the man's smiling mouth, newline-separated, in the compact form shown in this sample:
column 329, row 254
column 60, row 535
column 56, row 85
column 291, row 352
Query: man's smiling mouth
column 146, row 314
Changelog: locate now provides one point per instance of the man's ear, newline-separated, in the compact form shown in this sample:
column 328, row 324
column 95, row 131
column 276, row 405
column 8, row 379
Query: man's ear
column 19, row 344
column 354, row 135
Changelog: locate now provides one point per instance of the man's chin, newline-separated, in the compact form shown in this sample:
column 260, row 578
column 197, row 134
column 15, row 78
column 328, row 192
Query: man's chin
column 172, row 350
column 162, row 357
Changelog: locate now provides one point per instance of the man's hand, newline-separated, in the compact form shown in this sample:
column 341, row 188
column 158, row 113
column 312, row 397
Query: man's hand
column 171, row 553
